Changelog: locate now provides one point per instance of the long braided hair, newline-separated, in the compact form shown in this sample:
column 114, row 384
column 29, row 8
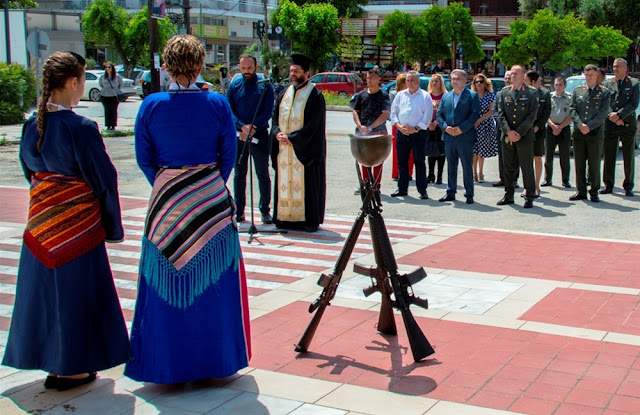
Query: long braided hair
column 57, row 69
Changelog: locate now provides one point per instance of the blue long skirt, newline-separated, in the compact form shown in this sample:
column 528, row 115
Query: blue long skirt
column 67, row 320
column 209, row 339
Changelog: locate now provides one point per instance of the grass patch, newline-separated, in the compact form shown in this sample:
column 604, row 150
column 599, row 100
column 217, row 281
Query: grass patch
column 332, row 98
column 117, row 133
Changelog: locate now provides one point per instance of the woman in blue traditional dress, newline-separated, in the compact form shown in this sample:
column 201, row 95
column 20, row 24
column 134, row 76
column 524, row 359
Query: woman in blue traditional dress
column 67, row 318
column 191, row 319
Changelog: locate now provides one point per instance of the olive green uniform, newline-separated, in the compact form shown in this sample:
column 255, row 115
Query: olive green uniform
column 560, row 106
column 544, row 110
column 590, row 107
column 518, row 110
column 623, row 100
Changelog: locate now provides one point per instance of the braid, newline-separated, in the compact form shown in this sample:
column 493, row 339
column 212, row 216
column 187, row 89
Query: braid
column 58, row 67
column 42, row 110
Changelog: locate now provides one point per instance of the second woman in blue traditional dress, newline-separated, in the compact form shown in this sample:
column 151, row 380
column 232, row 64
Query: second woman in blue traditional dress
column 191, row 318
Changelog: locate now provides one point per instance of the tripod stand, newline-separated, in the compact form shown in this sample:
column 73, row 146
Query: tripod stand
column 246, row 148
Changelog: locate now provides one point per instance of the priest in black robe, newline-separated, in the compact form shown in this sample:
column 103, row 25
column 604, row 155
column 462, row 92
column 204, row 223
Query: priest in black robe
column 299, row 151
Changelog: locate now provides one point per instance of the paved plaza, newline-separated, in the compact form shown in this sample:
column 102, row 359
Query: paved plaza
column 521, row 321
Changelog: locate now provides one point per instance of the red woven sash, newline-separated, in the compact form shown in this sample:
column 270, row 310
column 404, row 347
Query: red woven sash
column 64, row 219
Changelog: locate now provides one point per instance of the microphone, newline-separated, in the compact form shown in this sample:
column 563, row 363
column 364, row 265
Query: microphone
column 264, row 81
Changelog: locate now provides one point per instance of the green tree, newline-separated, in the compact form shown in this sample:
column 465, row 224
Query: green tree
column 431, row 35
column 345, row 8
column 276, row 62
column 17, row 92
column 538, row 40
column 20, row 4
column 351, row 47
column 107, row 24
column 312, row 28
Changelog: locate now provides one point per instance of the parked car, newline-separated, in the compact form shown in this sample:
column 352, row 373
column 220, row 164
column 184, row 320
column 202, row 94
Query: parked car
column 92, row 86
column 575, row 81
column 143, row 84
column 340, row 82
column 424, row 83
column 497, row 83
column 136, row 71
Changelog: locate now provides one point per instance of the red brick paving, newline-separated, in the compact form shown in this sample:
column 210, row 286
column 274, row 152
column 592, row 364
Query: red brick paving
column 535, row 256
column 619, row 313
column 493, row 367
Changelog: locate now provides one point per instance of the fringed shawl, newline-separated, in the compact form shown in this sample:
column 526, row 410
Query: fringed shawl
column 64, row 219
column 189, row 237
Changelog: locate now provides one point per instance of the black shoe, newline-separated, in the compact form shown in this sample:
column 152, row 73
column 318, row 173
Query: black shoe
column 267, row 219
column 628, row 192
column 439, row 179
column 447, row 198
column 605, row 190
column 578, row 196
column 424, row 195
column 528, row 204
column 310, row 229
column 431, row 178
column 516, row 185
column 357, row 192
column 51, row 382
column 64, row 384
column 546, row 183
column 499, row 183
column 504, row 201
column 395, row 179
column 594, row 198
column 566, row 185
column 398, row 193
column 240, row 218
column 469, row 201
column 588, row 181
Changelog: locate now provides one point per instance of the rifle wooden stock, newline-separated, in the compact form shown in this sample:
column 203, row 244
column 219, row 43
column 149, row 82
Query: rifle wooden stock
column 386, row 320
column 420, row 346
column 331, row 282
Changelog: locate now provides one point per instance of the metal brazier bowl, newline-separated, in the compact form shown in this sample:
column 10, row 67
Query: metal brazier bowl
column 370, row 150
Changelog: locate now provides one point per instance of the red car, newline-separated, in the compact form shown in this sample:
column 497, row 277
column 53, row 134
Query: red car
column 340, row 82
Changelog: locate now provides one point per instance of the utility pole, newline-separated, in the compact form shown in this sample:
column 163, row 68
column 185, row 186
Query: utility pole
column 7, row 31
column 187, row 16
column 153, row 49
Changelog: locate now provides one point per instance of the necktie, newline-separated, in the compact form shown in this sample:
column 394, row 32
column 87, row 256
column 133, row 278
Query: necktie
column 619, row 84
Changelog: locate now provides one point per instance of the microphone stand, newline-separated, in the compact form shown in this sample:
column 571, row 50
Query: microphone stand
column 246, row 148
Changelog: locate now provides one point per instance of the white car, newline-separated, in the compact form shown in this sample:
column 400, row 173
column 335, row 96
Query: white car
column 579, row 80
column 92, row 86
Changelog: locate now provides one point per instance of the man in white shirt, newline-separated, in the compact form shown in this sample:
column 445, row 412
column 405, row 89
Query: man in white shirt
column 411, row 113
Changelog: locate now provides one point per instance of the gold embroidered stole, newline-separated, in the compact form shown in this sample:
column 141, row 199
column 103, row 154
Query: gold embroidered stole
column 290, row 170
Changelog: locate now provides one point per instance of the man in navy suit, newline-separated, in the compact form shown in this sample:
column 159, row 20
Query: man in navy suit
column 457, row 114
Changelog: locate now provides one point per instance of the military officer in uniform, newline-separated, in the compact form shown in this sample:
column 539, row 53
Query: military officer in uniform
column 517, row 112
column 534, row 80
column 621, row 126
column 589, row 108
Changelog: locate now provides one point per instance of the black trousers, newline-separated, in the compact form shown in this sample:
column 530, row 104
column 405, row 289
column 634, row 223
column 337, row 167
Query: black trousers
column 612, row 136
column 563, row 142
column 405, row 145
column 521, row 153
column 260, row 156
column 587, row 148
column 110, row 105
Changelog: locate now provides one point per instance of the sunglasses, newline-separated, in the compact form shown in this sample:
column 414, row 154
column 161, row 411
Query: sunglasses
column 478, row 82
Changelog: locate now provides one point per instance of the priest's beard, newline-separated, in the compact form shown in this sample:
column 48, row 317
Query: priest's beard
column 298, row 80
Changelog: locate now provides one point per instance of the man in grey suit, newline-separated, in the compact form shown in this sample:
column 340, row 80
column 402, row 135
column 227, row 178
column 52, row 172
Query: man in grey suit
column 457, row 114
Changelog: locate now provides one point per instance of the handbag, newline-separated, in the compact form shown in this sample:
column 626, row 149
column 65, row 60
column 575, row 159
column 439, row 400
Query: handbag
column 121, row 97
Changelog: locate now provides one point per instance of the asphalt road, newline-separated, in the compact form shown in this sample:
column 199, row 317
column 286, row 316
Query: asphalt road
column 615, row 217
